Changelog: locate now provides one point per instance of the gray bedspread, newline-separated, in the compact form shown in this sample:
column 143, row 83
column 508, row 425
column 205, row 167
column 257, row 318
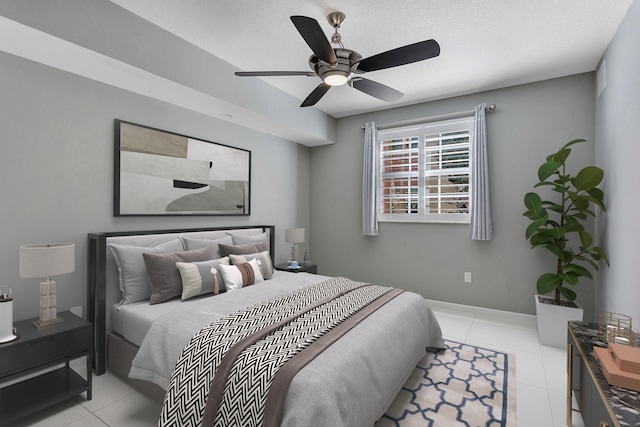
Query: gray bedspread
column 351, row 383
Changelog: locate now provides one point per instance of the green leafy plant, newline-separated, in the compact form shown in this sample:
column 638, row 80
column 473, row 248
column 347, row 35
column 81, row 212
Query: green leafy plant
column 555, row 223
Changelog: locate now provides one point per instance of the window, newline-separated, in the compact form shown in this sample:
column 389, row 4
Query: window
column 424, row 172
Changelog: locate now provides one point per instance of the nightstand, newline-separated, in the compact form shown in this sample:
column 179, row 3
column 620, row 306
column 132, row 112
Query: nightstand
column 36, row 351
column 313, row 268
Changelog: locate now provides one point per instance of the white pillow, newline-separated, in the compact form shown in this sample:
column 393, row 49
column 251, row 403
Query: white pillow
column 238, row 276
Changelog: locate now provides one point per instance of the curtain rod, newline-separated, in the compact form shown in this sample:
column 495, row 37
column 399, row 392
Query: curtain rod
column 490, row 107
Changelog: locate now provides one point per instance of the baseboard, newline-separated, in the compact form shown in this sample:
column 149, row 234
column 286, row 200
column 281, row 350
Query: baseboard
column 520, row 319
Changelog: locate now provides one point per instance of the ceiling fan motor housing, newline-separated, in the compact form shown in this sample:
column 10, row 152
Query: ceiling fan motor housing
column 347, row 61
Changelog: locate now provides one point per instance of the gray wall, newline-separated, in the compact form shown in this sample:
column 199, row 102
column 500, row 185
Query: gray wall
column 57, row 170
column 618, row 151
column 57, row 177
column 531, row 121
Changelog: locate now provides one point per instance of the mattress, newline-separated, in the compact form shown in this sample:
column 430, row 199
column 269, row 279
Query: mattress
column 132, row 321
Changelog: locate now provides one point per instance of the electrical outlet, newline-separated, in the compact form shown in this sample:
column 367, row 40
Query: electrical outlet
column 76, row 310
column 467, row 277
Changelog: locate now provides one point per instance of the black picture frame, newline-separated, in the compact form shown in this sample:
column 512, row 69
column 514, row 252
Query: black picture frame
column 160, row 173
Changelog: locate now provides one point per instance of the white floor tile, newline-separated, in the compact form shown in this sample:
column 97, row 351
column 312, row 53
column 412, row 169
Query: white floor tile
column 558, row 404
column 558, row 353
column 88, row 421
column 530, row 370
column 107, row 389
column 504, row 335
column 135, row 410
column 555, row 371
column 454, row 326
column 532, row 406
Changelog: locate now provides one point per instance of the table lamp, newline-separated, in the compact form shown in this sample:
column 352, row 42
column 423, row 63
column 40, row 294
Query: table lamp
column 46, row 260
column 295, row 236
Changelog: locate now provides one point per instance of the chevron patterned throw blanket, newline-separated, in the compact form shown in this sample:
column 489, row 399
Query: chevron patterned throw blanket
column 255, row 352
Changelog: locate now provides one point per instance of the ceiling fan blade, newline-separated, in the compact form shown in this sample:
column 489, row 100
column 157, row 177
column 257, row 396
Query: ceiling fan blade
column 315, row 95
column 274, row 73
column 400, row 56
column 375, row 89
column 311, row 32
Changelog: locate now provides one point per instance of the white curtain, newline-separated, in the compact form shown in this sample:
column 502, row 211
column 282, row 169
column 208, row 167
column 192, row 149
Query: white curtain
column 480, row 224
column 369, row 182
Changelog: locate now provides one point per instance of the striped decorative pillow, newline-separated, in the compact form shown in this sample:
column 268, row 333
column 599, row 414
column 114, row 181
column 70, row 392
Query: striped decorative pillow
column 241, row 275
column 264, row 262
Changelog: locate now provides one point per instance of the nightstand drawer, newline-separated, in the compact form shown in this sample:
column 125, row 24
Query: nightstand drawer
column 47, row 349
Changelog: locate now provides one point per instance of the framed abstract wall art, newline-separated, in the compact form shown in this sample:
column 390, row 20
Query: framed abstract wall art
column 164, row 173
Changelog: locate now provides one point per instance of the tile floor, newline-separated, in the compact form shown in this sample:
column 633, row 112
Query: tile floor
column 540, row 376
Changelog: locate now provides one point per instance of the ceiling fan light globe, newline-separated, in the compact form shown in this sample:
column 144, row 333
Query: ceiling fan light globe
column 337, row 79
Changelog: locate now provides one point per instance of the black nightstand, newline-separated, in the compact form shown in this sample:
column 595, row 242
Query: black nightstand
column 313, row 268
column 37, row 350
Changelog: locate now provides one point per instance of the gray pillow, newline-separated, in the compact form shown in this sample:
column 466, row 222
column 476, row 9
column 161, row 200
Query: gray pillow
column 191, row 244
column 264, row 262
column 134, row 283
column 164, row 276
column 248, row 248
column 198, row 279
column 241, row 239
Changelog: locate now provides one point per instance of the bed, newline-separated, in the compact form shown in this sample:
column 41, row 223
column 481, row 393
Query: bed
column 348, row 383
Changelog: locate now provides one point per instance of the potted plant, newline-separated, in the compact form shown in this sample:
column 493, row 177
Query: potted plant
column 555, row 225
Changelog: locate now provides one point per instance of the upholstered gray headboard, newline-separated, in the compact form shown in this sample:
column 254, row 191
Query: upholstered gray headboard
column 103, row 283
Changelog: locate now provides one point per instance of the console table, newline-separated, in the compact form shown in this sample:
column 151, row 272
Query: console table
column 601, row 404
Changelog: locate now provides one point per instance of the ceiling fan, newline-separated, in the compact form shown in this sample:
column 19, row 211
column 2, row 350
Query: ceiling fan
column 341, row 66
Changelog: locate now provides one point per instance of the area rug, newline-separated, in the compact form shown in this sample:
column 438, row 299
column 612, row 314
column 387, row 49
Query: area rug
column 462, row 385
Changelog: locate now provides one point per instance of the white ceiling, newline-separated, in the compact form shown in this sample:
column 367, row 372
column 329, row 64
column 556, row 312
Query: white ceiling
column 486, row 44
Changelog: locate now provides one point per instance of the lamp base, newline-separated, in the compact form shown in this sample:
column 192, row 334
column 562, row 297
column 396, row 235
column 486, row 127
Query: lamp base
column 294, row 253
column 42, row 324
column 12, row 337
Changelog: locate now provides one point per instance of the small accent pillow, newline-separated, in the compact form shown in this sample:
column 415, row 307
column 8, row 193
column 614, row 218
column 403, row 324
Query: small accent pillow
column 203, row 277
column 241, row 239
column 134, row 283
column 191, row 244
column 248, row 248
column 164, row 276
column 241, row 275
column 264, row 262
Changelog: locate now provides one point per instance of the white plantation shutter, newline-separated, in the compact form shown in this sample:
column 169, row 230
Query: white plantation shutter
column 399, row 164
column 424, row 172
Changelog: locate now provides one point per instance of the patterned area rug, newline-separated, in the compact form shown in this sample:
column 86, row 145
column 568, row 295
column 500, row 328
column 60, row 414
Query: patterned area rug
column 463, row 385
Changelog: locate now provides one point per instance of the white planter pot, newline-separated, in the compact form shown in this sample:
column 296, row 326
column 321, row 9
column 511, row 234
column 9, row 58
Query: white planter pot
column 552, row 322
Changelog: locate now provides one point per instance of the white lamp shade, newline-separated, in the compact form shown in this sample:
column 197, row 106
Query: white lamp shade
column 294, row 235
column 47, row 259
